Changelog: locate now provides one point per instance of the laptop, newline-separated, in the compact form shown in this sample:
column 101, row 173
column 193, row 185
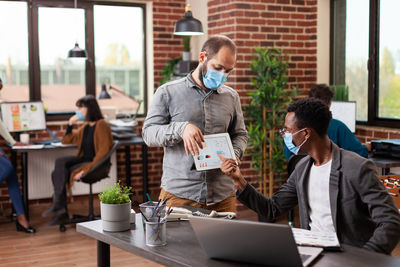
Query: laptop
column 251, row 242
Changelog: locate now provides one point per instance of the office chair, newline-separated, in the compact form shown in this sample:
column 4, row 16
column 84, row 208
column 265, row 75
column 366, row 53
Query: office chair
column 291, row 165
column 95, row 174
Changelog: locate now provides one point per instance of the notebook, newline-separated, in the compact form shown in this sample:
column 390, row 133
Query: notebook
column 251, row 242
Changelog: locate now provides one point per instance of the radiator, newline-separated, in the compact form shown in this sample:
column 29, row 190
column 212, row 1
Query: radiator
column 41, row 164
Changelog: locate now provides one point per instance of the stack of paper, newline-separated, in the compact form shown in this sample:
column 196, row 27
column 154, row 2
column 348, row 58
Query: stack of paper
column 317, row 239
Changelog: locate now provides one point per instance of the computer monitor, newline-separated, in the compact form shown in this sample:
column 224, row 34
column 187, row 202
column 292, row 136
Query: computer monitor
column 345, row 111
column 23, row 116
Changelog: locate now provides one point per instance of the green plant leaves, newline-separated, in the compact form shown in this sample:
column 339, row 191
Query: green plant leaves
column 271, row 95
column 116, row 194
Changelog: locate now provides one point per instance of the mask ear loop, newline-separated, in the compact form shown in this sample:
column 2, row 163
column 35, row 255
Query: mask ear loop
column 305, row 140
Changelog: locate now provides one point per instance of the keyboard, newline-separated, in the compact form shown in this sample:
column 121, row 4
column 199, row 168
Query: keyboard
column 304, row 257
column 47, row 141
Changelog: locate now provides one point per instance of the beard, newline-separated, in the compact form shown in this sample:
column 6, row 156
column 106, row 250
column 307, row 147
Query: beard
column 203, row 72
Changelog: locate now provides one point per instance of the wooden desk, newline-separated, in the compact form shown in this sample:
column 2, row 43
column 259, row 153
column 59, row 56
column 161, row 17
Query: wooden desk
column 385, row 163
column 126, row 143
column 183, row 249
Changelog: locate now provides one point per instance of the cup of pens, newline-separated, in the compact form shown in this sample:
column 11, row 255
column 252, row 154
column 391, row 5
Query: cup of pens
column 155, row 217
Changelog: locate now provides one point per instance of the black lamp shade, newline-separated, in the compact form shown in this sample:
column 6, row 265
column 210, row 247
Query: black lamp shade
column 103, row 93
column 188, row 26
column 77, row 52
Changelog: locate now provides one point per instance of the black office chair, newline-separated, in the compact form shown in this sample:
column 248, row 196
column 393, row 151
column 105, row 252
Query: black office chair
column 291, row 165
column 96, row 173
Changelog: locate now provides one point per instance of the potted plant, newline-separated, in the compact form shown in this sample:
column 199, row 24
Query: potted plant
column 266, row 114
column 115, row 208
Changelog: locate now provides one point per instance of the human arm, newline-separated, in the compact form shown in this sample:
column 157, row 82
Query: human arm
column 281, row 201
column 70, row 136
column 159, row 130
column 6, row 134
column 237, row 130
column 381, row 209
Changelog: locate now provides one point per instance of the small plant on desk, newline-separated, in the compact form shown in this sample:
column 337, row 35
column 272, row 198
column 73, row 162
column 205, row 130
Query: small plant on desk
column 116, row 194
column 115, row 208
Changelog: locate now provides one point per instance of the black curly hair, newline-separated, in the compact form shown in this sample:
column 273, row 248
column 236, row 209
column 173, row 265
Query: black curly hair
column 312, row 113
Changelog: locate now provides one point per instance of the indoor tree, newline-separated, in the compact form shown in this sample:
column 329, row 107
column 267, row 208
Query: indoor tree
column 266, row 114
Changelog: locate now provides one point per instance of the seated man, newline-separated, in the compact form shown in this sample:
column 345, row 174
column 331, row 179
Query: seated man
column 338, row 132
column 336, row 190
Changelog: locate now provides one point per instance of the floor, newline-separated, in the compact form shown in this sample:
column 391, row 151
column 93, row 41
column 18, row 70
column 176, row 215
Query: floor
column 50, row 247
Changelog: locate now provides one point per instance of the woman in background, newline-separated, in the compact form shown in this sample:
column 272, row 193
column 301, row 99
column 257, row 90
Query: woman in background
column 8, row 174
column 94, row 141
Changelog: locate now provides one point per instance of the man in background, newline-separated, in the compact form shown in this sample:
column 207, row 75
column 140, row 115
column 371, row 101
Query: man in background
column 338, row 132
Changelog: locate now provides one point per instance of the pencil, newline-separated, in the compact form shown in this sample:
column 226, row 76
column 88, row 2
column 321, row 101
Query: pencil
column 148, row 197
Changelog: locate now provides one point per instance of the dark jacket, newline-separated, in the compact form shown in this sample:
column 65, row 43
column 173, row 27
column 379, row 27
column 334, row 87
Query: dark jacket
column 363, row 213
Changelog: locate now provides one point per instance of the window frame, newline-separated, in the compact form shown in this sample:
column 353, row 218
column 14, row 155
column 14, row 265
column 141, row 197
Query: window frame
column 372, row 65
column 90, row 74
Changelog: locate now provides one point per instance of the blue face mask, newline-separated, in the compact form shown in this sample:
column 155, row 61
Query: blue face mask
column 288, row 139
column 214, row 79
column 79, row 114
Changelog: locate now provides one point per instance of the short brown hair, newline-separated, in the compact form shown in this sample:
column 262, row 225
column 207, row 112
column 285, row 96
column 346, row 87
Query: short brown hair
column 322, row 92
column 215, row 43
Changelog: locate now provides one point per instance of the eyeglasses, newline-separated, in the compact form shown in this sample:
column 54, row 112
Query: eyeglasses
column 283, row 131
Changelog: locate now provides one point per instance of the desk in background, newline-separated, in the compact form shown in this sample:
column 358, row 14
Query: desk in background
column 126, row 143
column 385, row 163
column 183, row 249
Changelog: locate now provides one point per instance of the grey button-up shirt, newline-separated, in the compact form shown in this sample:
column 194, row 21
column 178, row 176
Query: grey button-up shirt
column 174, row 105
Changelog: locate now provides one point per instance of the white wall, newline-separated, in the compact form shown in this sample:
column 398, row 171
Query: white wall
column 323, row 42
column 200, row 12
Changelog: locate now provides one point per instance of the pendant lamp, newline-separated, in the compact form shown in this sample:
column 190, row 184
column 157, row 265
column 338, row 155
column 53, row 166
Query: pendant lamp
column 77, row 51
column 188, row 26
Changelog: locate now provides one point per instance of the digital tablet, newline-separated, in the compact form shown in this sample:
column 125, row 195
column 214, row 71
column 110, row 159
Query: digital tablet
column 214, row 145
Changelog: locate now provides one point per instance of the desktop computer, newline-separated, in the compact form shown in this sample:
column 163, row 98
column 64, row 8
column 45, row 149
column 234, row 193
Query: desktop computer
column 24, row 117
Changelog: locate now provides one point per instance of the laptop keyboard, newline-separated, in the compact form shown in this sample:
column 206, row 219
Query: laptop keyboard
column 304, row 257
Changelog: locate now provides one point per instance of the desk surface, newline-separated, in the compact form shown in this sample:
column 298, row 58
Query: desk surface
column 121, row 142
column 385, row 162
column 183, row 249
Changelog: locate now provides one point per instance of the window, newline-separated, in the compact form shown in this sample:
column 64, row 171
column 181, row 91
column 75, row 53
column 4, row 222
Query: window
column 14, row 51
column 59, row 74
column 388, row 101
column 34, row 63
column 120, row 56
column 366, row 46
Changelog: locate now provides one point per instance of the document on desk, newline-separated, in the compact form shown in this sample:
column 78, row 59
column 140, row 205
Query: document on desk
column 28, row 147
column 316, row 239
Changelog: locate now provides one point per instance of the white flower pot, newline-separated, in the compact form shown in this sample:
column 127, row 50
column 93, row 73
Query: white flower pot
column 115, row 217
column 185, row 56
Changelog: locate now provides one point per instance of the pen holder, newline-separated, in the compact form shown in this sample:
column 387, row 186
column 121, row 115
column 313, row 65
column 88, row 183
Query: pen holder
column 156, row 233
column 152, row 212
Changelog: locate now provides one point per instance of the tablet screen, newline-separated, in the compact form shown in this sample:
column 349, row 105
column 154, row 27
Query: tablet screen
column 215, row 144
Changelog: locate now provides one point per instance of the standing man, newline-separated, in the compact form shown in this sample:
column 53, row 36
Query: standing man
column 184, row 110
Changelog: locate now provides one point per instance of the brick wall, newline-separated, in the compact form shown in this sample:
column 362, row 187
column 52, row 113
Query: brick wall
column 166, row 44
column 367, row 133
column 287, row 24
